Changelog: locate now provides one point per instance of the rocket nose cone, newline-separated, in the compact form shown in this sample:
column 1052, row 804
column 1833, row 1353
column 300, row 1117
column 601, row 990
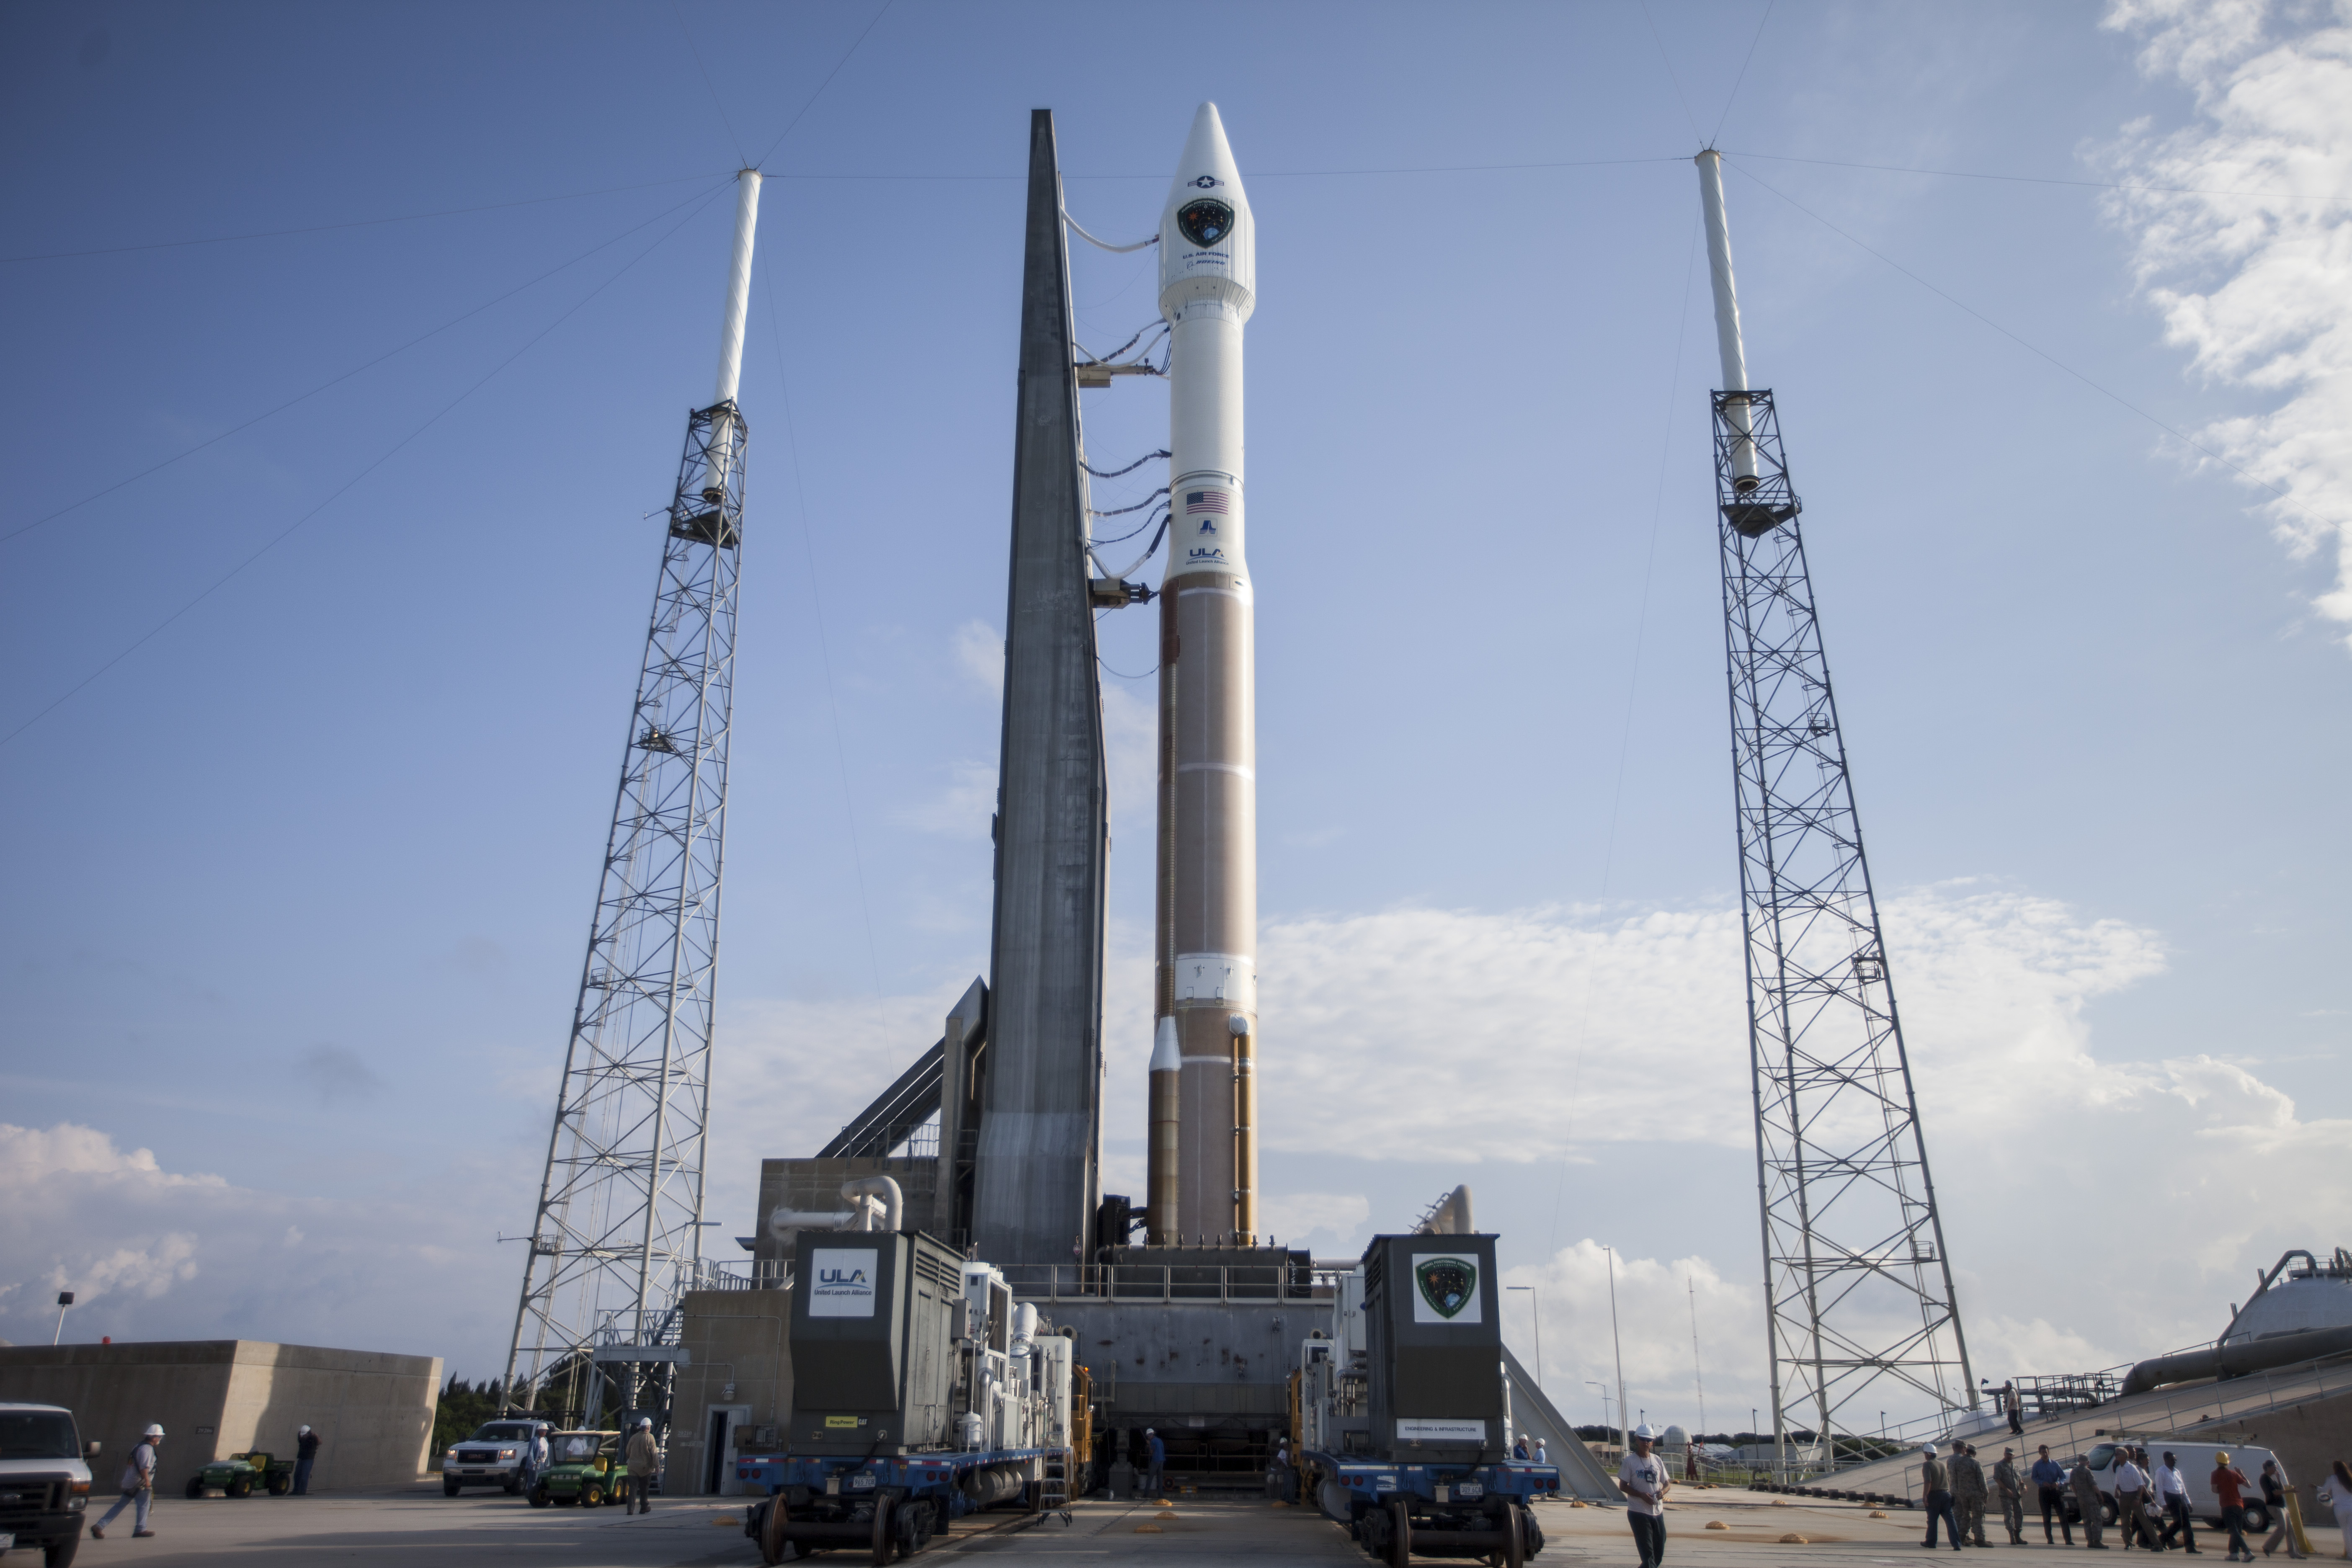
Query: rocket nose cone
column 1207, row 156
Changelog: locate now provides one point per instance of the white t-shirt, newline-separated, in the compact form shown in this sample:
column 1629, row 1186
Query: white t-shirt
column 1648, row 1473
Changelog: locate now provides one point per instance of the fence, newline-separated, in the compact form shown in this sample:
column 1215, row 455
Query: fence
column 1165, row 1282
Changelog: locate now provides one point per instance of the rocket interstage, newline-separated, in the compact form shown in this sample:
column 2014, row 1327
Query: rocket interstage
column 1205, row 996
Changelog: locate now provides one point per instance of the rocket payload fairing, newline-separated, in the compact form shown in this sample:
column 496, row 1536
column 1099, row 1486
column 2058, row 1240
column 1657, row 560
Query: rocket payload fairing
column 1203, row 1149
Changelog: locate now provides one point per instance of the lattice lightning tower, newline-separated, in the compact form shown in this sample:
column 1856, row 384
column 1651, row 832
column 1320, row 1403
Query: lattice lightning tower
column 1859, row 1303
column 620, row 1208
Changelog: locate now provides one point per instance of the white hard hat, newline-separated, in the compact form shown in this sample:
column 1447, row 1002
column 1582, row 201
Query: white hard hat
column 304, row 1428
column 1928, row 1449
column 1148, row 1431
column 1646, row 1430
column 154, row 1430
column 646, row 1422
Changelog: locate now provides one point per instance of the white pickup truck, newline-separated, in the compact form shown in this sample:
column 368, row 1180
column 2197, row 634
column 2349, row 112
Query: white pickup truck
column 492, row 1457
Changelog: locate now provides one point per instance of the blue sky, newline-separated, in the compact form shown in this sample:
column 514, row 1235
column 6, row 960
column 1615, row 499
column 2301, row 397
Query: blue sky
column 300, row 880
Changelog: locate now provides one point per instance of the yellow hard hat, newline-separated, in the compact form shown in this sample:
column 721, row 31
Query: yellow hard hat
column 2221, row 1460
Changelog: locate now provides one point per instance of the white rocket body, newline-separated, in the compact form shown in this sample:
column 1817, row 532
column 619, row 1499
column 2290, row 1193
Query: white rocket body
column 1207, row 918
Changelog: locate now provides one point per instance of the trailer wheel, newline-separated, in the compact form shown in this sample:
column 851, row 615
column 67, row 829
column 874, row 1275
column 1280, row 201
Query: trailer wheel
column 883, row 1514
column 1515, row 1537
column 1400, row 1534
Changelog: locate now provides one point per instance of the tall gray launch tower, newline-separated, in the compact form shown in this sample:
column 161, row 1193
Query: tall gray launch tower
column 1859, row 1311
column 1034, row 1183
column 620, row 1207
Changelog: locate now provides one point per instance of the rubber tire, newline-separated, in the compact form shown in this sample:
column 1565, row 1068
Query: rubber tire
column 773, row 1520
column 1514, row 1539
column 2258, row 1519
column 884, row 1516
column 278, row 1486
column 514, row 1486
column 2107, row 1514
column 195, row 1488
column 1400, row 1534
column 241, row 1487
column 592, row 1494
column 60, row 1554
column 541, row 1498
column 449, row 1489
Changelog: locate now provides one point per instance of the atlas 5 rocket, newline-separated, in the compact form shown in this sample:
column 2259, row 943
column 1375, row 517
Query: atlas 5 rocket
column 1204, row 1148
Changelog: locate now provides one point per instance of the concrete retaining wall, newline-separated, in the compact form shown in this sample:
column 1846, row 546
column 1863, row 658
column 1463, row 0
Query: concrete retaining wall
column 373, row 1412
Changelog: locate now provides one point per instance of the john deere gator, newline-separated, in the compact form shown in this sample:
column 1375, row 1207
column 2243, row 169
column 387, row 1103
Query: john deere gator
column 237, row 1475
column 584, row 1468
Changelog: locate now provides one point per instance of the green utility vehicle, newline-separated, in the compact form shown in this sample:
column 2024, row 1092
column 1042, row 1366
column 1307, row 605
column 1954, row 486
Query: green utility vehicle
column 237, row 1475
column 583, row 1468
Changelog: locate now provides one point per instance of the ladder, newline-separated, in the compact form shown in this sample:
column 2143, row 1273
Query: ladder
column 1054, row 1490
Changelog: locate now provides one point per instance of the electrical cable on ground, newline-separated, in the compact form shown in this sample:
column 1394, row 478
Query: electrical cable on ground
column 23, row 529
column 1625, row 735
column 288, row 531
column 2285, row 499
column 356, row 223
column 1115, row 473
column 823, row 645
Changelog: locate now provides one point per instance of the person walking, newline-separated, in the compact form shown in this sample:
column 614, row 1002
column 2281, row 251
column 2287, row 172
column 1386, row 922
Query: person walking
column 2012, row 1404
column 2172, row 1503
column 2010, row 1489
column 306, row 1454
column 1935, row 1489
column 2050, row 1481
column 1967, row 1496
column 138, row 1483
column 2274, row 1490
column 1643, row 1476
column 643, row 1459
column 2336, row 1493
column 1156, row 1459
column 2229, row 1486
column 2087, row 1503
column 2131, row 1500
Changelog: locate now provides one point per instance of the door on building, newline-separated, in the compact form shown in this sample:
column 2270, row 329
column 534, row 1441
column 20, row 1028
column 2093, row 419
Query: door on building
column 719, row 1477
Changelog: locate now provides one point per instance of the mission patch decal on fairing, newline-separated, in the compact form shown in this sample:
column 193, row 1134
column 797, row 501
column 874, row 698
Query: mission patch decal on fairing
column 1445, row 1289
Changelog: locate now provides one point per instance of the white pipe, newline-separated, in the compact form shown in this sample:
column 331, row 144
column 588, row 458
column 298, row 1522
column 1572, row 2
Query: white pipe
column 739, row 287
column 893, row 1202
column 730, row 336
column 783, row 1222
column 1729, row 348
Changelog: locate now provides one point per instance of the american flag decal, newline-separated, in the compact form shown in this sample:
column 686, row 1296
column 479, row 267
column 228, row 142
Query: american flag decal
column 1203, row 500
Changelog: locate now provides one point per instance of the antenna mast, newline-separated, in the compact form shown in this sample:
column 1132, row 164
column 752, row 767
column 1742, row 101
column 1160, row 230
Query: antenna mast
column 618, row 1231
column 1857, row 1287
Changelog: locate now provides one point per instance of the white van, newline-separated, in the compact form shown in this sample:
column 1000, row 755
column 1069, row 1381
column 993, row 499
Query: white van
column 44, row 1481
column 2196, row 1464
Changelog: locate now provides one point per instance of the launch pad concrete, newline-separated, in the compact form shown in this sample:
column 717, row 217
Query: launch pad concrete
column 418, row 1524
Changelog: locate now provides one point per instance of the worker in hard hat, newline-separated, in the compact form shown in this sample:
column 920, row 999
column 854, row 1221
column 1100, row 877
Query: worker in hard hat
column 1158, row 1461
column 643, row 1459
column 138, row 1483
column 1936, row 1490
column 1641, row 1476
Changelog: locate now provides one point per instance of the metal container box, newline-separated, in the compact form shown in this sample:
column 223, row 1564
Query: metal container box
column 1434, row 1325
column 874, row 1319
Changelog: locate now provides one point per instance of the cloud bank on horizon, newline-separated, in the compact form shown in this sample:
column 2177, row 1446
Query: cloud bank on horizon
column 2258, row 287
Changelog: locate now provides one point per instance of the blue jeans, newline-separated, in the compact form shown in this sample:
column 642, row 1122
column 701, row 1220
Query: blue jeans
column 144, row 1497
column 1939, row 1506
column 302, row 1476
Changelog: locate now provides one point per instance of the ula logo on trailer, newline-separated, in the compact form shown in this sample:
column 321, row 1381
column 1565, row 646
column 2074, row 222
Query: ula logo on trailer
column 841, row 1282
column 1448, row 1285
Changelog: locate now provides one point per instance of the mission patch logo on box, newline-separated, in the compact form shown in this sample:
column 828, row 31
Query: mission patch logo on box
column 1445, row 1289
column 841, row 1281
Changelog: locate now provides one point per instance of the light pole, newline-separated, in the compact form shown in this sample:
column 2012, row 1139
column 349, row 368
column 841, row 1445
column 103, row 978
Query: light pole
column 1624, row 1438
column 65, row 1300
column 1535, row 1304
column 1604, row 1398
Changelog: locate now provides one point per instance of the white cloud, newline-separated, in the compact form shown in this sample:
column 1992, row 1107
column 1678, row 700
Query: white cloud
column 980, row 654
column 2258, row 287
column 1339, row 1222
column 961, row 810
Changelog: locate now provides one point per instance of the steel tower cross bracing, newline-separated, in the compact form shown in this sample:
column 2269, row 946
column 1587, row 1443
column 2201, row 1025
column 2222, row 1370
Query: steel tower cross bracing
column 1860, row 1308
column 618, row 1227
